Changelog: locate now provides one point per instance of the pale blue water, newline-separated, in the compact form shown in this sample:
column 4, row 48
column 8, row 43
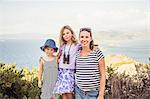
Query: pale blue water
column 26, row 53
column 139, row 50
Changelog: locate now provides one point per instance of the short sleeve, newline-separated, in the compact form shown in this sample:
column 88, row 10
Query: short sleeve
column 99, row 53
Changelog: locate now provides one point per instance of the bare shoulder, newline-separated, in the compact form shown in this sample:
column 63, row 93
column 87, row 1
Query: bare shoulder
column 41, row 60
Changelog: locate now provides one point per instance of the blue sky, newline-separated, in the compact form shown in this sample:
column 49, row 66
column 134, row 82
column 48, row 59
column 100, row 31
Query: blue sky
column 109, row 19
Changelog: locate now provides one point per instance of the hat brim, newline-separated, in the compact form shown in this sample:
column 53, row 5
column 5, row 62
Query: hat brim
column 43, row 47
column 55, row 49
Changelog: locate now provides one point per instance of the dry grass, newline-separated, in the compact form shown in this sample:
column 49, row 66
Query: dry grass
column 123, row 86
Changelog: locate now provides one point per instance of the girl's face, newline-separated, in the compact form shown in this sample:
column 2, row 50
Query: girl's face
column 67, row 35
column 85, row 38
column 49, row 51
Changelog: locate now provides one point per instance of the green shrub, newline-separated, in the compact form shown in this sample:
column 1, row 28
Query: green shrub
column 22, row 84
column 14, row 85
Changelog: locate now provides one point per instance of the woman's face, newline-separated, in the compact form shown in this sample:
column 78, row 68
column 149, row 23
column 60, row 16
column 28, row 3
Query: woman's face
column 67, row 35
column 85, row 38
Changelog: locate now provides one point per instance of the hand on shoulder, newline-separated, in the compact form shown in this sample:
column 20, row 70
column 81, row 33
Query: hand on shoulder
column 95, row 48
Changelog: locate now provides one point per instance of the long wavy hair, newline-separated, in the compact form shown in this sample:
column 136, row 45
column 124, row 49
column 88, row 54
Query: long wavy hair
column 61, row 40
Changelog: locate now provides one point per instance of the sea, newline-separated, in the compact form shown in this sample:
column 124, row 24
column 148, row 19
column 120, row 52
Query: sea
column 26, row 52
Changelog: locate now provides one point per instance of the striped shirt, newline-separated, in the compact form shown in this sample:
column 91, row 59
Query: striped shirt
column 87, row 70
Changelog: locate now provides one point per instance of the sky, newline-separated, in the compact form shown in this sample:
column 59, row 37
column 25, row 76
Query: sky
column 108, row 19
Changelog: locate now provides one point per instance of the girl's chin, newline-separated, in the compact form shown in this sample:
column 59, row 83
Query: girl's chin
column 67, row 40
column 48, row 54
column 84, row 45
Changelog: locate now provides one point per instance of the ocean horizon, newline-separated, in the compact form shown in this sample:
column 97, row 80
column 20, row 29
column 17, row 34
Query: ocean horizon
column 26, row 53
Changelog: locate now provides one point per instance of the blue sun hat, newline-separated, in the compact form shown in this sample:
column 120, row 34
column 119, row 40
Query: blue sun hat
column 49, row 43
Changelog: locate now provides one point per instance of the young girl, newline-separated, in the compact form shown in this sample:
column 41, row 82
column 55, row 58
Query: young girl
column 48, row 70
column 90, row 68
column 67, row 54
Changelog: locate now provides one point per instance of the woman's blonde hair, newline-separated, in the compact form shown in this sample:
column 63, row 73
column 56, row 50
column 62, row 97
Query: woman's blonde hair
column 61, row 40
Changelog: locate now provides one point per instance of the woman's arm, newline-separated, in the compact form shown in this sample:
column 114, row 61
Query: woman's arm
column 40, row 72
column 102, row 78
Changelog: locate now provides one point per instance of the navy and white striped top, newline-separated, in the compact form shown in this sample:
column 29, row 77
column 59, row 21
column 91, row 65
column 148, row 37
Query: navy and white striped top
column 87, row 70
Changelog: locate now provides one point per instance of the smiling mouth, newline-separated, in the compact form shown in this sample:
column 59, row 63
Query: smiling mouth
column 84, row 42
column 66, row 38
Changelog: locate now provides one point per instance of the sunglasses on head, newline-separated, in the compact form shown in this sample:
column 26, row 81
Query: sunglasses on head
column 85, row 29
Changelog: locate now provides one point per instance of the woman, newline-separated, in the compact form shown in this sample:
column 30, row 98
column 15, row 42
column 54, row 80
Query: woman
column 90, row 68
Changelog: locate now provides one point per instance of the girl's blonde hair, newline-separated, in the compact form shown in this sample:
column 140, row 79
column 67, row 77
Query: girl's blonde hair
column 61, row 40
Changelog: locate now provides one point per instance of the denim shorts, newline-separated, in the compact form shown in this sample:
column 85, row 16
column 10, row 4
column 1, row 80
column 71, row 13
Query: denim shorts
column 80, row 94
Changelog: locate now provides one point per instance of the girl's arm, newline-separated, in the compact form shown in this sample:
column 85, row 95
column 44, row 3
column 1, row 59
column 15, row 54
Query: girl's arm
column 102, row 79
column 59, row 54
column 40, row 72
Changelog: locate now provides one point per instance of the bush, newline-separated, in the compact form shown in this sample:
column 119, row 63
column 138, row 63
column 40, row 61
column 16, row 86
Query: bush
column 123, row 86
column 22, row 84
column 14, row 83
